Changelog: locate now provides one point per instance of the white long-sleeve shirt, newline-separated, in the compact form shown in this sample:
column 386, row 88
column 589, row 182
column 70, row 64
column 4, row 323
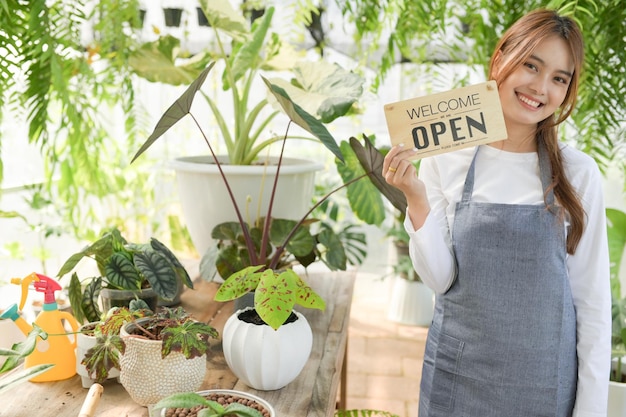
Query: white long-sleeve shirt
column 513, row 178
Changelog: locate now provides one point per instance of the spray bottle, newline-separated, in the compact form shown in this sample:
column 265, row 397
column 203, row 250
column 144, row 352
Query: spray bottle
column 59, row 348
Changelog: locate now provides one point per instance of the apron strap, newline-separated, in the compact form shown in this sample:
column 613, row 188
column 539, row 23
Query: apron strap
column 545, row 172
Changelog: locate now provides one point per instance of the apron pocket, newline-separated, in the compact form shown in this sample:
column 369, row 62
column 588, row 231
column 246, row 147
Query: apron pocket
column 440, row 382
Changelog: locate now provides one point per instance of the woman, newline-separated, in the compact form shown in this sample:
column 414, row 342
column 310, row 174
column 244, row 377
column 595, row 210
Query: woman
column 512, row 238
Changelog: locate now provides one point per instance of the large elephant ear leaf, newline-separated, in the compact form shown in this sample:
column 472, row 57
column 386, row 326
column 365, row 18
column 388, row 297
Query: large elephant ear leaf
column 372, row 161
column 121, row 273
column 323, row 89
column 176, row 111
column 181, row 272
column 365, row 199
column 303, row 119
column 159, row 273
column 161, row 61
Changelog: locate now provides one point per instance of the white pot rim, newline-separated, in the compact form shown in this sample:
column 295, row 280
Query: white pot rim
column 243, row 394
column 204, row 163
column 297, row 313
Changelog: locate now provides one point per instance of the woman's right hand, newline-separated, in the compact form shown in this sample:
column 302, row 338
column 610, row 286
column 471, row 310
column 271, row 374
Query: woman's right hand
column 399, row 171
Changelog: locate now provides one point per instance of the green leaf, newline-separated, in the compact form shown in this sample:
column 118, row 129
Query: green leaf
column 181, row 400
column 241, row 410
column 365, row 199
column 303, row 119
column 249, row 55
column 104, row 356
column 22, row 349
column 616, row 233
column 323, row 89
column 307, row 297
column 10, row 381
column 181, row 272
column 191, row 339
column 159, row 61
column 239, row 283
column 334, row 254
column 89, row 300
column 227, row 231
column 300, row 244
column 71, row 262
column 11, row 214
column 221, row 15
column 159, row 272
column 121, row 273
column 372, row 161
column 274, row 297
column 176, row 111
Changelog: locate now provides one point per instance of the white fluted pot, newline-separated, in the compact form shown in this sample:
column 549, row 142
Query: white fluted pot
column 149, row 378
column 264, row 358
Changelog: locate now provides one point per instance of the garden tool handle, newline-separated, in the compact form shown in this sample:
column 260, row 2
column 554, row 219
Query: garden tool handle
column 91, row 401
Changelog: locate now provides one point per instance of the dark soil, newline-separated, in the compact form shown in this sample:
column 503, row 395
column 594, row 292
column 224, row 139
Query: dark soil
column 252, row 317
column 223, row 399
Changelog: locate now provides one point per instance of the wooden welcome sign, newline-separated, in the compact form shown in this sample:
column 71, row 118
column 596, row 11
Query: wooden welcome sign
column 445, row 122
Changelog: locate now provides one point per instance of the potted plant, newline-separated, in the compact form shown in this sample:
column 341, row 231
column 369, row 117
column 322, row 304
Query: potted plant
column 276, row 291
column 243, row 51
column 616, row 232
column 157, row 354
column 163, row 354
column 215, row 403
column 127, row 271
column 98, row 343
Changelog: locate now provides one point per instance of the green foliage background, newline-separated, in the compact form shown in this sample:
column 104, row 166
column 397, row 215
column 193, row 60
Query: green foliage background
column 66, row 92
column 599, row 119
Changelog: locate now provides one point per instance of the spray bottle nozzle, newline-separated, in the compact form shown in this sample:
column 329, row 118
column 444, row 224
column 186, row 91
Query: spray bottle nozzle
column 25, row 282
column 47, row 286
column 42, row 284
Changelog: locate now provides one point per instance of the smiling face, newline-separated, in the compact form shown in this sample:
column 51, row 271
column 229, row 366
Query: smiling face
column 537, row 87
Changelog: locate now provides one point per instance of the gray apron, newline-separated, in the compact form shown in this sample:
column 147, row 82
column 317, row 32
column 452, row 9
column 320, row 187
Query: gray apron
column 503, row 338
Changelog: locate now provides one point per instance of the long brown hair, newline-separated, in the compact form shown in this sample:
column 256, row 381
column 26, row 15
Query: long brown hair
column 518, row 42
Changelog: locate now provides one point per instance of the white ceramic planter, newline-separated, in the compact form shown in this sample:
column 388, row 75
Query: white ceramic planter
column 149, row 378
column 410, row 302
column 264, row 358
column 617, row 399
column 205, row 201
column 84, row 342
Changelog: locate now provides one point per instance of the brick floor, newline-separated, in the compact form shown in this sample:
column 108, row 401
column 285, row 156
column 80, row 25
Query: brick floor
column 384, row 358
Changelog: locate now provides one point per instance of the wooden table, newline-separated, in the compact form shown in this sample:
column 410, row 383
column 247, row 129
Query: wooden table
column 313, row 393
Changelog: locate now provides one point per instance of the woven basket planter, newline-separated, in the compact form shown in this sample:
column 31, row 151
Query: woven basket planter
column 148, row 378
